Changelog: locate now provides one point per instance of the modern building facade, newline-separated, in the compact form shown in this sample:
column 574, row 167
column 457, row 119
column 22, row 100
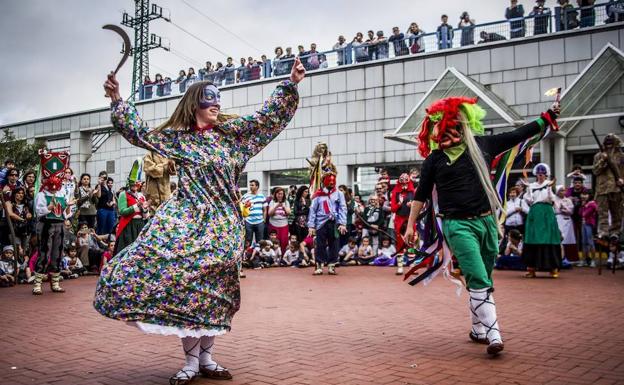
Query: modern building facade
column 368, row 112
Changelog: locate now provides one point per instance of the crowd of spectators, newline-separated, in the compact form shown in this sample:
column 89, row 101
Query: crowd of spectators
column 378, row 46
column 577, row 215
column 277, row 227
column 88, row 233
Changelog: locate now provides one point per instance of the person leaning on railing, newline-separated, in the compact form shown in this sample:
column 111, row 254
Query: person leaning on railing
column 569, row 16
column 515, row 15
column 340, row 48
column 414, row 37
column 466, row 25
column 445, row 34
column 359, row 48
column 615, row 11
column 398, row 42
column 541, row 18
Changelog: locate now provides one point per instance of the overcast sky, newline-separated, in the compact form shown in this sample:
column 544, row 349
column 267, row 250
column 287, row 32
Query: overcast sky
column 54, row 55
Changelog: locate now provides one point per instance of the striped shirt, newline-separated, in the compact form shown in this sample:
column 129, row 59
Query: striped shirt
column 258, row 203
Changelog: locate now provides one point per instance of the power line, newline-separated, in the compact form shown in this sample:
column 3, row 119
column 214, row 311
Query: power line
column 163, row 71
column 221, row 26
column 200, row 39
column 185, row 58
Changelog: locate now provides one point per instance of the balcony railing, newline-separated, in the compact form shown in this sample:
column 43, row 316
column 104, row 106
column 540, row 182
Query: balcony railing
column 537, row 23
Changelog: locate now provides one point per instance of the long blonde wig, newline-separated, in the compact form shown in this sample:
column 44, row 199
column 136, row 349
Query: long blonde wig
column 183, row 118
column 479, row 162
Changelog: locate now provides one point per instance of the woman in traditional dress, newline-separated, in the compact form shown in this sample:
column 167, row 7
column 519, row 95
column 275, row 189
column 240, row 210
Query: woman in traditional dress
column 564, row 208
column 180, row 276
column 542, row 239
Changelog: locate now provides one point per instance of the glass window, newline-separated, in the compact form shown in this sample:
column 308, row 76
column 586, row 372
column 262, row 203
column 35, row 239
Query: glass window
column 284, row 179
column 110, row 166
column 242, row 184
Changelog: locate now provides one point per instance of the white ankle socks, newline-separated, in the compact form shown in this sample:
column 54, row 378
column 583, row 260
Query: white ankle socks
column 191, row 353
column 205, row 352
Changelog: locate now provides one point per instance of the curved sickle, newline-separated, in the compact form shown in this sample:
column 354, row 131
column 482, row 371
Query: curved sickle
column 126, row 40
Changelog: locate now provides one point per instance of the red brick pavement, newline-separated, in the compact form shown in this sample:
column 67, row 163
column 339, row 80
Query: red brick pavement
column 362, row 327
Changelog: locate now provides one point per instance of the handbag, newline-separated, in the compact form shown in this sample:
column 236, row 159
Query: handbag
column 245, row 211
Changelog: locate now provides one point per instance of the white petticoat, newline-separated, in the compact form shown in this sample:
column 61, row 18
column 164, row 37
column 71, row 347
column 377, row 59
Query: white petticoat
column 174, row 331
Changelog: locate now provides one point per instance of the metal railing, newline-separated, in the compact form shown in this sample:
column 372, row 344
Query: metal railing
column 538, row 22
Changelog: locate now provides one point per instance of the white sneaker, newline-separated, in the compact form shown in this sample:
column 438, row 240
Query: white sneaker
column 593, row 263
column 399, row 270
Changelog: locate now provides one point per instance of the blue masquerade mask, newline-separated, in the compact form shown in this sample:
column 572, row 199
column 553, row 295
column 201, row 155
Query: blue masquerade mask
column 210, row 97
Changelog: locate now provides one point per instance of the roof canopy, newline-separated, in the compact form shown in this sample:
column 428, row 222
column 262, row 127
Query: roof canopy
column 579, row 101
column 590, row 87
column 453, row 83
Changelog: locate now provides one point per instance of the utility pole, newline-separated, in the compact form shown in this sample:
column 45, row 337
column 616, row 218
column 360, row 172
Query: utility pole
column 143, row 41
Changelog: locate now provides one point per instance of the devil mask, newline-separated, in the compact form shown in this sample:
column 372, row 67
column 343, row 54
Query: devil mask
column 404, row 180
column 329, row 181
column 52, row 184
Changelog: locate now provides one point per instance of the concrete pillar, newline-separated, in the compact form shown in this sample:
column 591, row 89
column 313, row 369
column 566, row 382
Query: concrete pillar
column 80, row 150
column 559, row 167
column 345, row 175
column 545, row 153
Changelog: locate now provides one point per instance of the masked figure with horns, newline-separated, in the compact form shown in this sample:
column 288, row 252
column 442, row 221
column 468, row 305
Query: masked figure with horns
column 52, row 208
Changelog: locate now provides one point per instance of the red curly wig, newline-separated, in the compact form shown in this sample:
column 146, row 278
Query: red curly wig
column 448, row 108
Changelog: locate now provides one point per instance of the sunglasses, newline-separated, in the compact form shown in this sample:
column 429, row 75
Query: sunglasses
column 12, row 174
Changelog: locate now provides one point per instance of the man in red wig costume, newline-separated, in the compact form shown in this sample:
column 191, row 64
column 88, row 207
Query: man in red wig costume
column 327, row 218
column 457, row 160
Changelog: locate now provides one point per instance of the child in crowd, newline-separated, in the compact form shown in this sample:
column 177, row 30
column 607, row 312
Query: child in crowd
column 615, row 254
column 375, row 220
column 365, row 252
column 577, row 172
column 512, row 256
column 386, row 253
column 588, row 211
column 7, row 267
column 82, row 239
column 71, row 267
column 247, row 256
column 263, row 255
column 275, row 245
column 349, row 253
column 308, row 246
column 293, row 255
column 108, row 254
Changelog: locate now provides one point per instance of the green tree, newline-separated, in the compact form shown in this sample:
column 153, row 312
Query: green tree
column 25, row 156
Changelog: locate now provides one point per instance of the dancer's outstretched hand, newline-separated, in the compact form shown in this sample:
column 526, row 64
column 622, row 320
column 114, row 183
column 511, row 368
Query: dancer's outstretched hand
column 111, row 86
column 298, row 71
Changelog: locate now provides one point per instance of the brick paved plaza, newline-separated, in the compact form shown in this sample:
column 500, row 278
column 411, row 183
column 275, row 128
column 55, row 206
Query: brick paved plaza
column 362, row 327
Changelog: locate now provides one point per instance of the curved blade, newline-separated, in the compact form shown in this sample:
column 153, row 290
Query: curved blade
column 126, row 40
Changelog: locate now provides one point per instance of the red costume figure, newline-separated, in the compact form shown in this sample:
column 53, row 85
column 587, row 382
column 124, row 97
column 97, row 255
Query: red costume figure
column 400, row 201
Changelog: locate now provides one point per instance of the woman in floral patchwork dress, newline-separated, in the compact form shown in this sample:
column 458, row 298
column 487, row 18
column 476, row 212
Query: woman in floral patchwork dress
column 180, row 276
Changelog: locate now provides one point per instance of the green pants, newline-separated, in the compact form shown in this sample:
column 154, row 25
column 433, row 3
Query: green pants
column 474, row 242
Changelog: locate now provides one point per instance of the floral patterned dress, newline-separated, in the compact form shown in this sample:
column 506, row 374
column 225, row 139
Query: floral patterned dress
column 180, row 276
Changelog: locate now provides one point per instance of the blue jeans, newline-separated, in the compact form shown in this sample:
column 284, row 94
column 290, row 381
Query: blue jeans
column 105, row 221
column 587, row 239
column 254, row 229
